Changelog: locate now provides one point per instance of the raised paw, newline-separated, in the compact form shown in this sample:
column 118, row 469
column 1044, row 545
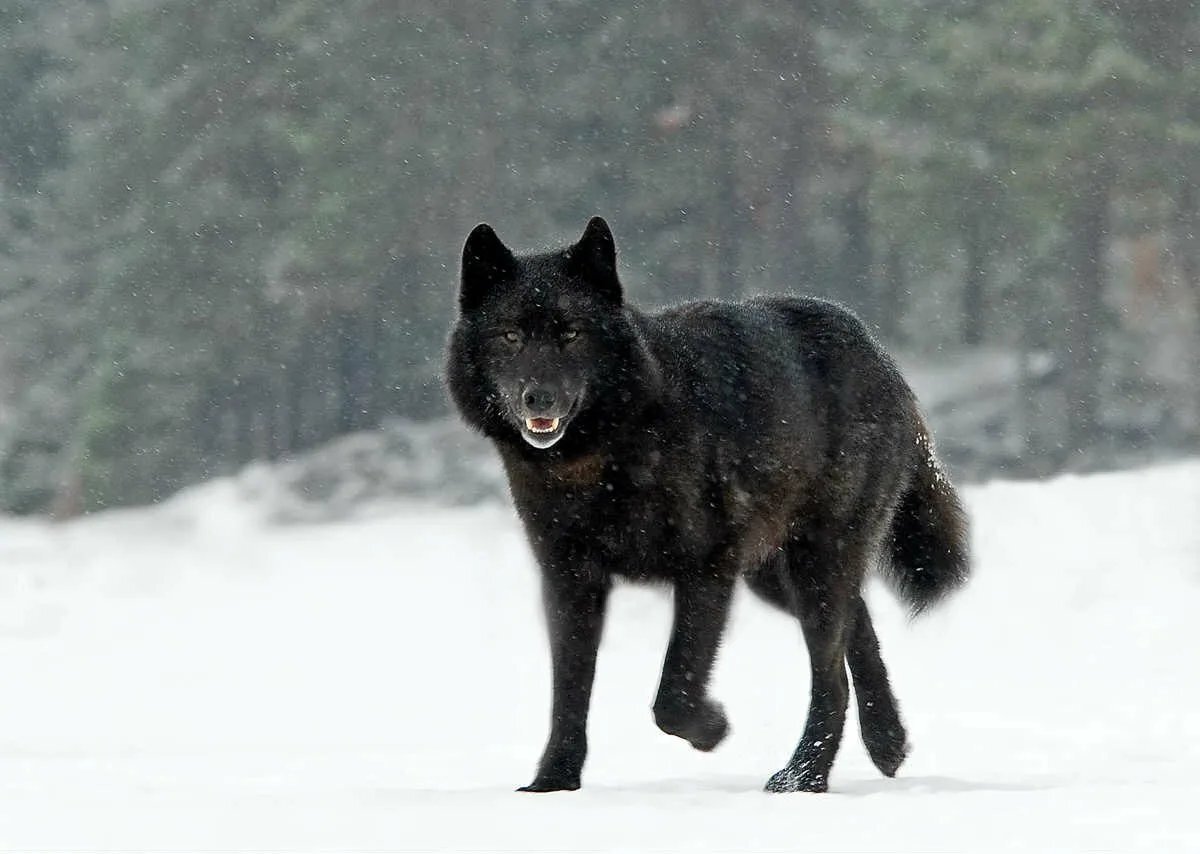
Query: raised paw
column 703, row 726
column 883, row 734
column 888, row 755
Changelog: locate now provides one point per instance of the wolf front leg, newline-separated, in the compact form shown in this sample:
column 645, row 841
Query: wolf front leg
column 683, row 707
column 575, row 609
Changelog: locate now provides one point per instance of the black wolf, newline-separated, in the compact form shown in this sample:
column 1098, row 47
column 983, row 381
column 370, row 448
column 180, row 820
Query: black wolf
column 769, row 439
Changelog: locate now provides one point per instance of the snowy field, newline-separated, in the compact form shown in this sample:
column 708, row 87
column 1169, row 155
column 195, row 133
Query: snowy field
column 192, row 677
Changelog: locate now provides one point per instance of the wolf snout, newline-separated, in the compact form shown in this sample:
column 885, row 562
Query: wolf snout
column 544, row 413
column 540, row 400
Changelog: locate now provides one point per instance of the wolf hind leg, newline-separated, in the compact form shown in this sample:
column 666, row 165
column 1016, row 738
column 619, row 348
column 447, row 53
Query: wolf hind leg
column 682, row 706
column 824, row 626
column 821, row 578
column 878, row 713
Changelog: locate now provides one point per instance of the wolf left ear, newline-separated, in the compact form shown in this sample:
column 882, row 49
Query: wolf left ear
column 485, row 262
column 594, row 257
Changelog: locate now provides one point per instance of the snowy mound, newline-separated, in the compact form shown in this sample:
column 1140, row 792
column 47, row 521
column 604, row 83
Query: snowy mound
column 367, row 474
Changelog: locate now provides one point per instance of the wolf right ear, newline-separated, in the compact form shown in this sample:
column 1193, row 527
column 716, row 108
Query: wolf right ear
column 485, row 262
column 595, row 258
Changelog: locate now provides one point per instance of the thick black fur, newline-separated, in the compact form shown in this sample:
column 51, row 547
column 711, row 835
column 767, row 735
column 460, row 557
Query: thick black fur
column 770, row 439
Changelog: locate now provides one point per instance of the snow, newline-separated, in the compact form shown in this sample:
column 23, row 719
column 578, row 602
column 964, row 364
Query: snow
column 195, row 676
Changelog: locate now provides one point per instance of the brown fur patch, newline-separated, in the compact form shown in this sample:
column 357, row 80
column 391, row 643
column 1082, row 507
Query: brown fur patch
column 584, row 471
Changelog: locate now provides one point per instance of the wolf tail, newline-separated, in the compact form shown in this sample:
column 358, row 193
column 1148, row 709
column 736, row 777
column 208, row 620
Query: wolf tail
column 928, row 555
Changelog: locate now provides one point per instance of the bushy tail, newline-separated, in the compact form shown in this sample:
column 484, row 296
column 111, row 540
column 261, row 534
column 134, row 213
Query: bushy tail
column 929, row 555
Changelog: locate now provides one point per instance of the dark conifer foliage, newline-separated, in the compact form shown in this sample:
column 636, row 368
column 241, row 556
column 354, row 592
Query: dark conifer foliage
column 229, row 230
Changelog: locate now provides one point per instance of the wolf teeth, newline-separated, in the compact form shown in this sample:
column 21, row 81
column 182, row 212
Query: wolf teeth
column 553, row 425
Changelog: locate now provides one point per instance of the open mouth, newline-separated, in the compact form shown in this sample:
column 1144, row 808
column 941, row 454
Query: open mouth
column 542, row 425
column 543, row 432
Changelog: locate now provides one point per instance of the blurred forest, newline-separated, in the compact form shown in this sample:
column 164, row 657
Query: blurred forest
column 230, row 230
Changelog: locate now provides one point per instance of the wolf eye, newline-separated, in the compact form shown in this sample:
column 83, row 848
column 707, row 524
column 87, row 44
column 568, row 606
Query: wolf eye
column 569, row 335
column 512, row 337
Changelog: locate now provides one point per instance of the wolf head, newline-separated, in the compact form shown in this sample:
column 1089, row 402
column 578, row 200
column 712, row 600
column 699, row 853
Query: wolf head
column 540, row 339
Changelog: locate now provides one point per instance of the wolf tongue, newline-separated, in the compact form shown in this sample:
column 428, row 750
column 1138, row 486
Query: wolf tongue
column 541, row 423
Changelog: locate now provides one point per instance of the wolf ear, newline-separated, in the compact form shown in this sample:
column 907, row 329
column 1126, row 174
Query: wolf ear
column 485, row 262
column 594, row 258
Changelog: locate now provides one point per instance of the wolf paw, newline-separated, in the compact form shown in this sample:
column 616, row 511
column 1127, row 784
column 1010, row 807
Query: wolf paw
column 703, row 726
column 551, row 784
column 711, row 732
column 889, row 755
column 791, row 779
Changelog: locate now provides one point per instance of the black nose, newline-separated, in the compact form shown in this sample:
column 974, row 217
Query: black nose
column 537, row 399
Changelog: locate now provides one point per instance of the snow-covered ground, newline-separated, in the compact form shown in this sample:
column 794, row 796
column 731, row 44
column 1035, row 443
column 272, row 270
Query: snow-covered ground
column 194, row 677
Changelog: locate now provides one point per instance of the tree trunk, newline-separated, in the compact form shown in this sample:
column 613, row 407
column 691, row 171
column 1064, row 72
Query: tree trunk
column 855, row 263
column 975, row 278
column 299, row 372
column 1088, row 229
column 725, row 217
column 892, row 297
column 349, row 374
column 1187, row 237
column 806, row 97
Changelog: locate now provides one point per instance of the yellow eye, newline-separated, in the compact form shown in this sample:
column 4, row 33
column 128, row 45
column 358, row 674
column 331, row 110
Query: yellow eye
column 570, row 334
column 512, row 337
